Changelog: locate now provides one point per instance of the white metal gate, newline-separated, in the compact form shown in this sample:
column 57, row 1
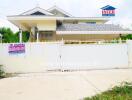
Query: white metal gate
column 79, row 57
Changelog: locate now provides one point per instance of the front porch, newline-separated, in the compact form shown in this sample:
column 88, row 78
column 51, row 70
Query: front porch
column 43, row 36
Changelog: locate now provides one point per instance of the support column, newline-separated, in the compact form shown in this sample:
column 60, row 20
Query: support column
column 38, row 36
column 20, row 36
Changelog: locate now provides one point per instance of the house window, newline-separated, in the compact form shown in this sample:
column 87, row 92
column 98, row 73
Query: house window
column 91, row 22
column 48, row 34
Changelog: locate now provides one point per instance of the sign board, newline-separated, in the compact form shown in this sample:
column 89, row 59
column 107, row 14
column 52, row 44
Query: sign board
column 108, row 11
column 16, row 48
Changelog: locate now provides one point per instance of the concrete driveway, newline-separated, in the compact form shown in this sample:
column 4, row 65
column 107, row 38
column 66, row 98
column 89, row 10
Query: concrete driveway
column 61, row 85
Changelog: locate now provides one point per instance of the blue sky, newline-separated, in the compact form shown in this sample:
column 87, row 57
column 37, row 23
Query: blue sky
column 79, row 8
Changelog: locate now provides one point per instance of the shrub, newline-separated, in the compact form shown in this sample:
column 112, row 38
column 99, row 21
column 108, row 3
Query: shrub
column 2, row 73
column 122, row 92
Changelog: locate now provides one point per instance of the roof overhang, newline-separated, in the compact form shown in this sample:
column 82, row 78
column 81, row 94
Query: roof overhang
column 55, row 18
column 26, row 22
column 92, row 32
column 87, row 18
column 18, row 20
column 15, row 18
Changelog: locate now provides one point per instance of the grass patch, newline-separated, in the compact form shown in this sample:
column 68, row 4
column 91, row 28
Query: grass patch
column 122, row 92
column 2, row 73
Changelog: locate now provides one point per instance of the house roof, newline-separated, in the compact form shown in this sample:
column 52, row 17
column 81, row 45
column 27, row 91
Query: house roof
column 41, row 11
column 37, row 10
column 108, row 7
column 38, row 13
column 59, row 10
column 92, row 28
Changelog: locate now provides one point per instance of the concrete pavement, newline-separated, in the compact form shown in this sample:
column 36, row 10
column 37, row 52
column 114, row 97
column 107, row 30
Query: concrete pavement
column 61, row 85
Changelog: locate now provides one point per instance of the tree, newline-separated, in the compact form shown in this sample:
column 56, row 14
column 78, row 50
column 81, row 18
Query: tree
column 7, row 34
column 25, row 36
column 125, row 37
column 10, row 37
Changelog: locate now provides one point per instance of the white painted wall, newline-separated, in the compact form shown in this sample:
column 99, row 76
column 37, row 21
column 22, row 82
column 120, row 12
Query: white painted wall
column 42, row 56
column 38, row 58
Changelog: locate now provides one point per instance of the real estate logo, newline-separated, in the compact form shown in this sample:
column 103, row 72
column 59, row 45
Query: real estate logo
column 108, row 11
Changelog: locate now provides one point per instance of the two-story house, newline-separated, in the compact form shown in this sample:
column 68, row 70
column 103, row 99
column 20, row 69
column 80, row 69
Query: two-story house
column 55, row 24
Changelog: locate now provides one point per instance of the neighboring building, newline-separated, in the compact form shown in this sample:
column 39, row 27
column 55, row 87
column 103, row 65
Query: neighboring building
column 55, row 24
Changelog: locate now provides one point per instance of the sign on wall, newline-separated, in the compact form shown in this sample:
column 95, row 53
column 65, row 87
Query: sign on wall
column 108, row 11
column 16, row 48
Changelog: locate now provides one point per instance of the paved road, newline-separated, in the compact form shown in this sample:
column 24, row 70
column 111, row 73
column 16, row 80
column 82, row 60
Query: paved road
column 61, row 85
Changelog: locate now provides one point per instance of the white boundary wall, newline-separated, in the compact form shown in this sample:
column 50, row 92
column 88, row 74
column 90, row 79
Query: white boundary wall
column 49, row 56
